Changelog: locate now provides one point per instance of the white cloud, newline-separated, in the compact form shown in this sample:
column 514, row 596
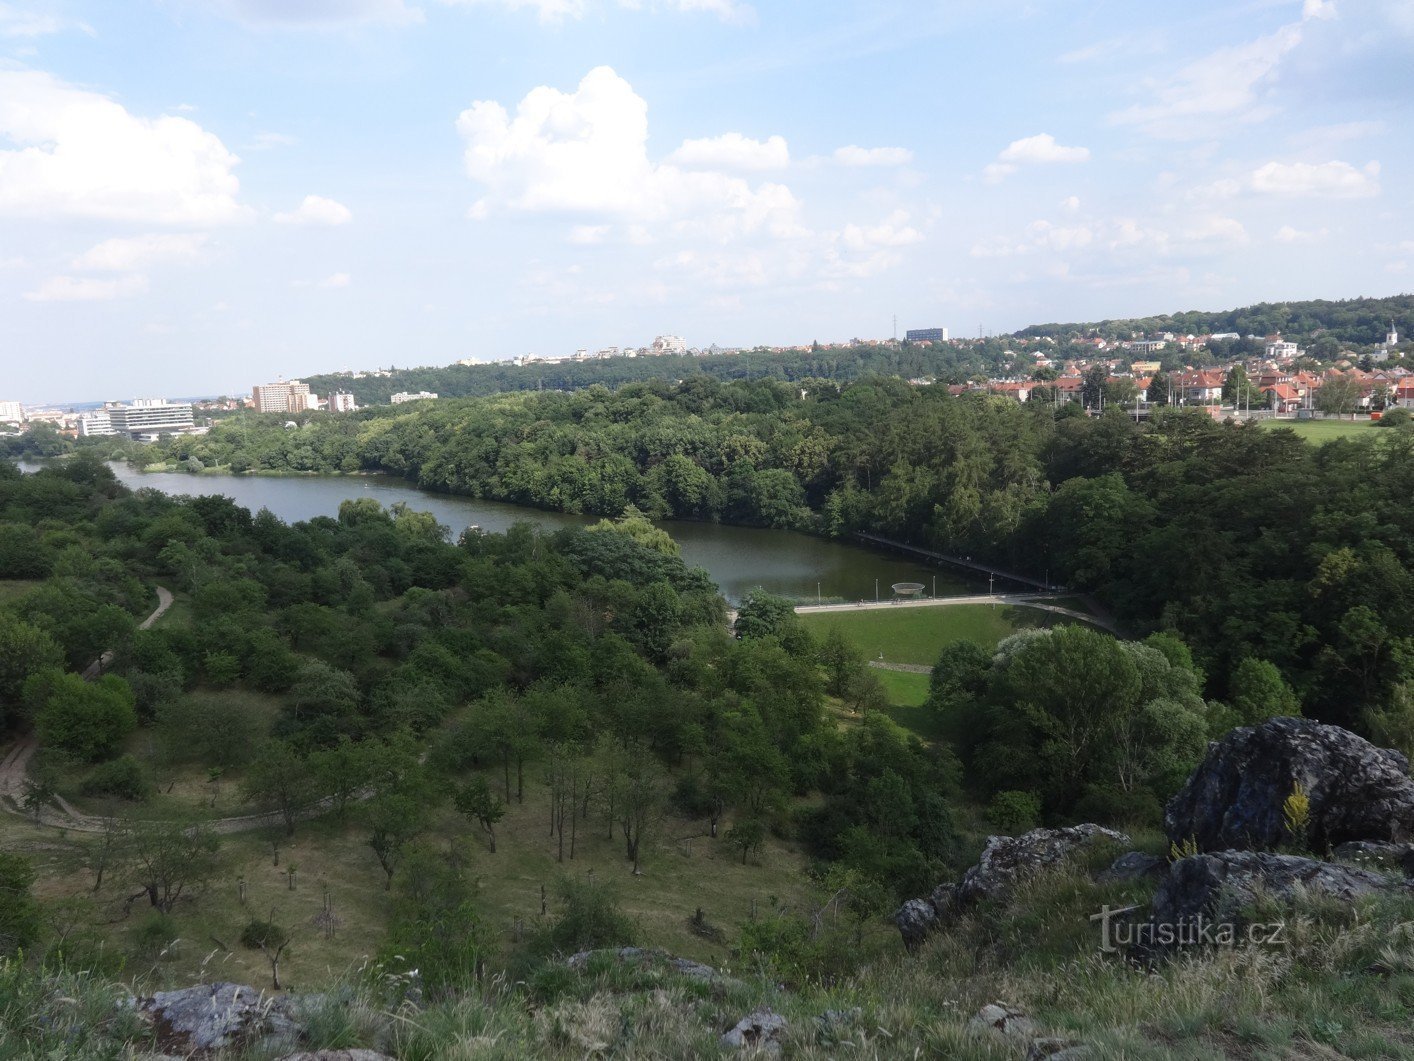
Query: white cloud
column 732, row 151
column 1336, row 180
column 138, row 252
column 1071, row 204
column 315, row 14
column 69, row 289
column 337, row 280
column 268, row 141
column 893, row 231
column 79, row 153
column 316, row 210
column 584, row 154
column 556, row 11
column 28, row 23
column 1288, row 234
column 588, row 234
column 1229, row 84
column 1041, row 149
column 873, row 156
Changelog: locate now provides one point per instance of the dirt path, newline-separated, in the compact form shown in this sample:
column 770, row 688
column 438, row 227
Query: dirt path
column 60, row 814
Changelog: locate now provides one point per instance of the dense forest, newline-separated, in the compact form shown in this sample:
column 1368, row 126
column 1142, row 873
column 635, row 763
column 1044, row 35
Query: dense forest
column 1363, row 321
column 907, row 360
column 1244, row 541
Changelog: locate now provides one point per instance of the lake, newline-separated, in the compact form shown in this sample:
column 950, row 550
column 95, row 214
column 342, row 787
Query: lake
column 738, row 559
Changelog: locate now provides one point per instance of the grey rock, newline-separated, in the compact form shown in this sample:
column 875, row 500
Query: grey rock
column 1233, row 801
column 212, row 1016
column 1134, row 865
column 758, row 1030
column 1006, row 861
column 1003, row 1018
column 647, row 956
column 337, row 1055
column 915, row 919
column 1212, row 889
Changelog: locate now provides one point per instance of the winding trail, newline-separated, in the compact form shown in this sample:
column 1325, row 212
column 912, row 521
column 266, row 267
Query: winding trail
column 14, row 770
column 1024, row 600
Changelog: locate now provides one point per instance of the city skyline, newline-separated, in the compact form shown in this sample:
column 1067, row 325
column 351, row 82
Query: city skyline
column 195, row 194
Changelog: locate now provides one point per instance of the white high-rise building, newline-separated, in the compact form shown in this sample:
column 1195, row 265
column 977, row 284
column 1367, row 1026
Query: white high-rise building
column 342, row 402
column 12, row 412
column 669, row 344
column 96, row 423
column 282, row 397
column 150, row 416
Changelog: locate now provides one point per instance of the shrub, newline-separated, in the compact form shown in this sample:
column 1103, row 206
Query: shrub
column 257, row 934
column 1014, row 812
column 591, row 918
column 87, row 719
column 124, row 777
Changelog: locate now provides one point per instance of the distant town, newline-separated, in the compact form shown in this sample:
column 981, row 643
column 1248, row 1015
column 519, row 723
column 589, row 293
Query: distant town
column 1136, row 374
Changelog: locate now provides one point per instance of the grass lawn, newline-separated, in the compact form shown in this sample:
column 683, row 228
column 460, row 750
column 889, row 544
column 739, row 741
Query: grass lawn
column 1325, row 430
column 917, row 635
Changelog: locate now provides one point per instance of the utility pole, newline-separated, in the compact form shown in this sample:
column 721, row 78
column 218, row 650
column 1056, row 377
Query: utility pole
column 876, row 591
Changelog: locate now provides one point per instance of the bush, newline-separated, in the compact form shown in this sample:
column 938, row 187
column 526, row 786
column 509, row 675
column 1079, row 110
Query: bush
column 86, row 719
column 154, row 934
column 1396, row 418
column 1014, row 812
column 124, row 777
column 257, row 934
column 591, row 918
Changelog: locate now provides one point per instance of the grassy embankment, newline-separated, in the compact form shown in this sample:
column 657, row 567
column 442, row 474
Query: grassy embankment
column 1316, row 431
column 331, row 856
column 916, row 636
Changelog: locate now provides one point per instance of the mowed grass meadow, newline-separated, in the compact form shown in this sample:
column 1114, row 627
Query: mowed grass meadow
column 1317, row 431
column 917, row 635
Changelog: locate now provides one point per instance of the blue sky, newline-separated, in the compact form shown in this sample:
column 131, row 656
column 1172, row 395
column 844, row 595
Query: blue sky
column 198, row 195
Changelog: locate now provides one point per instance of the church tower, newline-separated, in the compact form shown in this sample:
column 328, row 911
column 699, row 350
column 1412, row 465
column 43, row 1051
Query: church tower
column 1392, row 339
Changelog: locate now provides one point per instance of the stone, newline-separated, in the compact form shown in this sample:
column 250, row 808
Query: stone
column 214, row 1016
column 337, row 1055
column 758, row 1030
column 648, row 956
column 915, row 919
column 1004, row 1019
column 1211, row 889
column 1133, row 865
column 1005, row 861
column 1233, row 800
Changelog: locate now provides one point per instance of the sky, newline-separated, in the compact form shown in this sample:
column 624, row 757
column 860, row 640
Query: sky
column 201, row 195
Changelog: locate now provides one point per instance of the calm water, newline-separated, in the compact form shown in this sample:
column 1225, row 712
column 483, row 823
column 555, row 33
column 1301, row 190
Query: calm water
column 737, row 558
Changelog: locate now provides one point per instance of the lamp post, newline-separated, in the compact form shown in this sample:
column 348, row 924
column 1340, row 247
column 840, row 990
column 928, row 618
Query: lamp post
column 818, row 599
column 876, row 591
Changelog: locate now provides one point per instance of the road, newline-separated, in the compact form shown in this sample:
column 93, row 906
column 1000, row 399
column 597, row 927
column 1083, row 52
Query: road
column 1028, row 600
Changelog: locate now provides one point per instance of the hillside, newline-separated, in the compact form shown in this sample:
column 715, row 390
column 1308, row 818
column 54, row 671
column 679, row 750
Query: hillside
column 1362, row 321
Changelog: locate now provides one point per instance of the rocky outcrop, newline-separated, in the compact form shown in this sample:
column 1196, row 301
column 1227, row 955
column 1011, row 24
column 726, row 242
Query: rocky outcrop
column 650, row 958
column 216, row 1016
column 1006, row 861
column 1132, row 865
column 338, row 1055
column 1233, row 801
column 1201, row 899
column 758, row 1030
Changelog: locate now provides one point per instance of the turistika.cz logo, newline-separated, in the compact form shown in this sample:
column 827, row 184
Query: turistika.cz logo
column 1118, row 932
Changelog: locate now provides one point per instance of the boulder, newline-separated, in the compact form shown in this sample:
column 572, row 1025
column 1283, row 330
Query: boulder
column 648, row 957
column 759, row 1030
column 1004, row 1019
column 1133, row 865
column 337, row 1055
column 1233, row 801
column 1006, row 861
column 1201, row 897
column 215, row 1016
